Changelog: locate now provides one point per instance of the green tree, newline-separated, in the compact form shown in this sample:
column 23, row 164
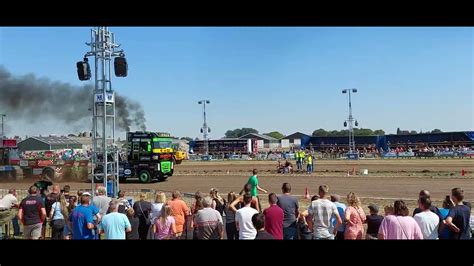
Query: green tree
column 379, row 132
column 186, row 138
column 436, row 131
column 239, row 132
column 320, row 133
column 275, row 134
column 413, row 132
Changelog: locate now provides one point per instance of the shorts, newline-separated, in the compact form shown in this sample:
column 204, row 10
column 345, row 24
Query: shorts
column 32, row 231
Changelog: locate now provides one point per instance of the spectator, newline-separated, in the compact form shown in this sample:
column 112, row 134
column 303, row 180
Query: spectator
column 399, row 225
column 258, row 222
column 160, row 200
column 179, row 210
column 243, row 219
column 230, row 227
column 66, row 191
column 165, row 226
column 322, row 210
column 355, row 217
column 444, row 229
column 7, row 205
column 209, row 222
column 32, row 213
column 373, row 222
column 388, row 210
column 218, row 202
column 142, row 209
column 458, row 216
column 101, row 201
column 433, row 208
column 134, row 223
column 341, row 209
column 123, row 202
column 58, row 215
column 305, row 223
column 239, row 201
column 82, row 219
column 427, row 220
column 290, row 207
column 274, row 217
column 114, row 225
column 67, row 227
column 195, row 207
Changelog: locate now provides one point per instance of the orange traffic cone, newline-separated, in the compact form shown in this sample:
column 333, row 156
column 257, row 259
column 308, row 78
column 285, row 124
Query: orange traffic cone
column 306, row 194
column 353, row 170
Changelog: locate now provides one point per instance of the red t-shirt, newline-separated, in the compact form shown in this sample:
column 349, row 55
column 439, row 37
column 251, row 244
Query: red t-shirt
column 274, row 221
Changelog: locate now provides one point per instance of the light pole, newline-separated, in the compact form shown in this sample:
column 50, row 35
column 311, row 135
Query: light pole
column 103, row 49
column 350, row 120
column 205, row 129
column 3, row 132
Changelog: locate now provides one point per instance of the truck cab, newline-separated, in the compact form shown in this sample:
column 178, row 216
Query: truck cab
column 150, row 155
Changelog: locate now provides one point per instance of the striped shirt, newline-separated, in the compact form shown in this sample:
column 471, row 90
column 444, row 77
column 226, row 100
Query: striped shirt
column 209, row 224
column 322, row 210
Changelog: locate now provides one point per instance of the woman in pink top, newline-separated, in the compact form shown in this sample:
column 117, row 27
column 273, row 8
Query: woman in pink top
column 400, row 225
column 165, row 226
column 355, row 217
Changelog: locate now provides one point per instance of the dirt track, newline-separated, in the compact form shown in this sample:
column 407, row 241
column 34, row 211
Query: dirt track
column 386, row 179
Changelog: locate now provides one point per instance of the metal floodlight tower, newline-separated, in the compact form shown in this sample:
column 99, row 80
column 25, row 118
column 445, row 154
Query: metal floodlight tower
column 3, row 130
column 105, row 157
column 350, row 120
column 205, row 129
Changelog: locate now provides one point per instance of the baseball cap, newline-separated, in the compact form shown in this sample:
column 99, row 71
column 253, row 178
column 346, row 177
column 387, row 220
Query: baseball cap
column 86, row 194
column 373, row 208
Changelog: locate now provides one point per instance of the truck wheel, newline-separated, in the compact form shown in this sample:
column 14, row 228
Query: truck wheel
column 13, row 175
column 144, row 176
column 122, row 179
column 49, row 174
column 161, row 177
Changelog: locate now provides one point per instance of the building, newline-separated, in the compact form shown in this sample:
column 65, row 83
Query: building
column 85, row 141
column 50, row 143
column 295, row 141
column 264, row 142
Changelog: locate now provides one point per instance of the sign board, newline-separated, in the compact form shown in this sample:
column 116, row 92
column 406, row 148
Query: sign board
column 285, row 143
column 99, row 97
column 8, row 143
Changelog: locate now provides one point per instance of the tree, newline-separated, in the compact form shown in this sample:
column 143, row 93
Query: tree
column 237, row 133
column 436, row 131
column 275, row 134
column 398, row 131
column 379, row 132
column 320, row 133
column 186, row 138
column 413, row 132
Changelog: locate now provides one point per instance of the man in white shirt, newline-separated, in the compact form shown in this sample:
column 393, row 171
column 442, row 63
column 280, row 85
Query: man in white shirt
column 7, row 203
column 322, row 210
column 243, row 219
column 426, row 219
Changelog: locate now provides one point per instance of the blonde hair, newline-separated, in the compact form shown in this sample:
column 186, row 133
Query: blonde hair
column 63, row 206
column 353, row 200
column 165, row 212
column 160, row 197
column 388, row 209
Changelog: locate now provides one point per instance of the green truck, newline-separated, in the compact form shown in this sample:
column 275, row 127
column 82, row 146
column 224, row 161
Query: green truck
column 149, row 156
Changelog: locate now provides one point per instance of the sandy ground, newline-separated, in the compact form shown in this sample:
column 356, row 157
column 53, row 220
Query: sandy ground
column 387, row 179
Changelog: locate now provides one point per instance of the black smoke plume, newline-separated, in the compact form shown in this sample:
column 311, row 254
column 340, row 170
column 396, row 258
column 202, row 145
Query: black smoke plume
column 29, row 99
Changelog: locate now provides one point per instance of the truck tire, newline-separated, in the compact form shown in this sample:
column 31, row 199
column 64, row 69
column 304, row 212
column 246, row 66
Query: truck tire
column 144, row 176
column 161, row 177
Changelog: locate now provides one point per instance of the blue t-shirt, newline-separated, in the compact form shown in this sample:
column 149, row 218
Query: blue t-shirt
column 444, row 234
column 80, row 217
column 57, row 215
column 114, row 225
column 341, row 209
column 461, row 215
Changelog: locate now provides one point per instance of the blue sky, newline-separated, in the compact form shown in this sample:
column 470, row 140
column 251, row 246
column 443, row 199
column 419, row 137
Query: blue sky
column 270, row 78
